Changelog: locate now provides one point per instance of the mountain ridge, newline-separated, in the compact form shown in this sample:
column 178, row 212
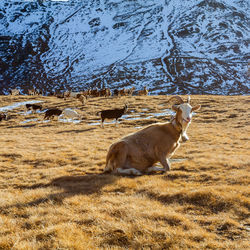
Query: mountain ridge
column 187, row 47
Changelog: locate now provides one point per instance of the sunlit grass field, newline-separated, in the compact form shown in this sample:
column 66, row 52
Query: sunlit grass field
column 53, row 194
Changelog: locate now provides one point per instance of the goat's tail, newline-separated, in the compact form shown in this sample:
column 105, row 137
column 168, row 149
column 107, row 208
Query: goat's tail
column 98, row 113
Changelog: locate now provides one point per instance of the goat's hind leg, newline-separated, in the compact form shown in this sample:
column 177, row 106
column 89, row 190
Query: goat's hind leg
column 116, row 156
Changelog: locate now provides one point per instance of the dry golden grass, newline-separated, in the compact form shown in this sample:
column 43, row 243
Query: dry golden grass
column 53, row 194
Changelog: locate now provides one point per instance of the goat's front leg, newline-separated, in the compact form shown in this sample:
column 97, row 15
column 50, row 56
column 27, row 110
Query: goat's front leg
column 184, row 137
column 164, row 162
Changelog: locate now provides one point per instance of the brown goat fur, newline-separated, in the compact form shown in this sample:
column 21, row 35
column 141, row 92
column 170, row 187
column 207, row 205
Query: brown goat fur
column 138, row 152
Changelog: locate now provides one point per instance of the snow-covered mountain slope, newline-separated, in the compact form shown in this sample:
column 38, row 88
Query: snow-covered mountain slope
column 172, row 46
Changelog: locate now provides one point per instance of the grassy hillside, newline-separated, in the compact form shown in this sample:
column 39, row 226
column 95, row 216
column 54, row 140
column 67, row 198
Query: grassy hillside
column 53, row 193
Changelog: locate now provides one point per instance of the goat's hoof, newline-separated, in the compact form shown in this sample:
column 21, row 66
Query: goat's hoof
column 107, row 171
column 184, row 138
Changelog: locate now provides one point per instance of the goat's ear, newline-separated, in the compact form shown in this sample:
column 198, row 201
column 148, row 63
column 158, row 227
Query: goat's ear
column 197, row 107
column 175, row 107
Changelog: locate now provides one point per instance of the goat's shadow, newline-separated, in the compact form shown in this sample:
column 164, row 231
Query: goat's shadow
column 68, row 186
column 83, row 184
column 76, row 131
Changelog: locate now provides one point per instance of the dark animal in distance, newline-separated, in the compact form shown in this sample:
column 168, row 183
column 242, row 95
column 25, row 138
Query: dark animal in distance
column 33, row 107
column 50, row 113
column 3, row 116
column 112, row 114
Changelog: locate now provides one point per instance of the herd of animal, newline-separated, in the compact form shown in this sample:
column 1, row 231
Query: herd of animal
column 72, row 114
column 137, row 153
column 83, row 95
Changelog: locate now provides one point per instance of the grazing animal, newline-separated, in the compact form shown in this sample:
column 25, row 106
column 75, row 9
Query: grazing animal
column 138, row 152
column 143, row 92
column 31, row 91
column 105, row 92
column 108, row 92
column 86, row 93
column 74, row 94
column 70, row 113
column 3, row 116
column 122, row 92
column 116, row 92
column 34, row 91
column 15, row 92
column 60, row 95
column 50, row 113
column 34, row 107
column 66, row 94
column 112, row 114
column 95, row 93
column 82, row 99
column 131, row 91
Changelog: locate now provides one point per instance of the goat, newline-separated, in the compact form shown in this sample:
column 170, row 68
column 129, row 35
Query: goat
column 86, row 93
column 95, row 93
column 34, row 91
column 66, row 94
column 50, row 113
column 3, row 116
column 31, row 91
column 82, row 99
column 108, row 92
column 143, row 92
column 138, row 152
column 122, row 92
column 116, row 92
column 131, row 91
column 15, row 92
column 70, row 113
column 112, row 114
column 105, row 92
column 74, row 94
column 33, row 107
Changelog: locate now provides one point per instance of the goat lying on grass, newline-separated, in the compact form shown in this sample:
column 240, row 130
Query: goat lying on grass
column 112, row 114
column 136, row 153
column 70, row 114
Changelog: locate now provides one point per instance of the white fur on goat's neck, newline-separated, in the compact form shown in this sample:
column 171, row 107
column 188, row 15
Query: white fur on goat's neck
column 186, row 109
column 186, row 112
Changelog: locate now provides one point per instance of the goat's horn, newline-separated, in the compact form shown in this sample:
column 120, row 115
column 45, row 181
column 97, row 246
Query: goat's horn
column 188, row 99
column 176, row 97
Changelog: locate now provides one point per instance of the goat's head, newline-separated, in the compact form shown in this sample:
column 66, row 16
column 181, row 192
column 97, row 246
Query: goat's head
column 184, row 111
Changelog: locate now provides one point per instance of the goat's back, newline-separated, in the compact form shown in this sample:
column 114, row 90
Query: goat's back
column 112, row 113
column 53, row 111
column 161, row 136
